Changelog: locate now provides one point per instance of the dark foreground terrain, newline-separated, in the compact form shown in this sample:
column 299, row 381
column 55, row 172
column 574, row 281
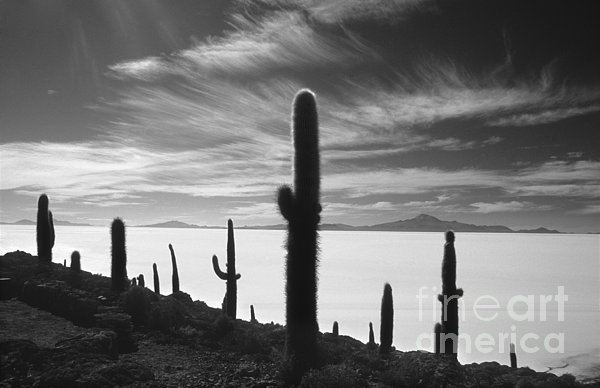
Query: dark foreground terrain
column 59, row 328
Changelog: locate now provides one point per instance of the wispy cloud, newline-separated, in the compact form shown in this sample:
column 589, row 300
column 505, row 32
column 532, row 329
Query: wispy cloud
column 503, row 207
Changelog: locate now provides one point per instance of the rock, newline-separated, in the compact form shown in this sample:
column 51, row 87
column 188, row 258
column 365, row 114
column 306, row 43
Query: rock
column 125, row 373
column 104, row 342
column 121, row 324
column 59, row 299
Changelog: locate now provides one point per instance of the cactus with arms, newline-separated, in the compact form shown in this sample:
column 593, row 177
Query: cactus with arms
column 230, row 276
column 44, row 230
column 449, row 299
column 301, row 208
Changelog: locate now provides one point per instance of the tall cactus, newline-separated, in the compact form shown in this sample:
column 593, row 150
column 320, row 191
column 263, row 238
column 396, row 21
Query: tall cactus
column 449, row 298
column 175, row 279
column 301, row 208
column 230, row 276
column 44, row 230
column 156, row 279
column 118, row 271
column 75, row 261
column 387, row 321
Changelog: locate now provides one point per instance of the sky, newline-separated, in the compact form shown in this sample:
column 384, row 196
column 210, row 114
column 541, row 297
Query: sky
column 485, row 112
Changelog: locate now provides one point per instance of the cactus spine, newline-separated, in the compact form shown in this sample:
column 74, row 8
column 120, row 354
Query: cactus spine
column 230, row 302
column 156, row 279
column 513, row 356
column 118, row 271
column 75, row 261
column 175, row 279
column 44, row 230
column 387, row 320
column 449, row 298
column 301, row 208
column 141, row 281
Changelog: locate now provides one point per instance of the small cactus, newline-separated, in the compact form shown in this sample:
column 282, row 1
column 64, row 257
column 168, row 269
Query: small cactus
column 336, row 330
column 141, row 281
column 437, row 332
column 175, row 272
column 64, row 262
column 44, row 230
column 371, row 334
column 252, row 316
column 118, row 271
column 75, row 261
column 387, row 321
column 513, row 356
column 134, row 282
column 449, row 298
column 301, row 208
column 156, row 279
column 230, row 301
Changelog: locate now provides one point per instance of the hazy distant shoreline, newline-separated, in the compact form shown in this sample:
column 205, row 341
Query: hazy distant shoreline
column 421, row 223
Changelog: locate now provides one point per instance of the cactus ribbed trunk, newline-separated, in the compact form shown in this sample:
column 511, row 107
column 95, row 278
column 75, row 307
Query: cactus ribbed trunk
column 449, row 298
column 44, row 230
column 118, row 271
column 230, row 301
column 156, row 279
column 386, row 333
column 301, row 208
column 175, row 279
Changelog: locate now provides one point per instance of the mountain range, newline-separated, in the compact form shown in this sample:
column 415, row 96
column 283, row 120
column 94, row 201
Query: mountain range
column 421, row 223
column 56, row 222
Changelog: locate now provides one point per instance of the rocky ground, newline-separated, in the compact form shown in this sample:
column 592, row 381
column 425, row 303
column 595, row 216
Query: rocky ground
column 62, row 329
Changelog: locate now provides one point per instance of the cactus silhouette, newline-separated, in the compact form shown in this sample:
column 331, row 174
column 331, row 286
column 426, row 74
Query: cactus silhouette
column 230, row 302
column 141, row 281
column 134, row 282
column 75, row 261
column 513, row 356
column 449, row 298
column 336, row 329
column 437, row 331
column 118, row 270
column 371, row 334
column 156, row 279
column 175, row 272
column 252, row 316
column 64, row 262
column 44, row 230
column 387, row 320
column 301, row 208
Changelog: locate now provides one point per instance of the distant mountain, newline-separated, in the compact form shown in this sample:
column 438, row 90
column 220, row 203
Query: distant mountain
column 427, row 223
column 538, row 230
column 56, row 222
column 171, row 224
